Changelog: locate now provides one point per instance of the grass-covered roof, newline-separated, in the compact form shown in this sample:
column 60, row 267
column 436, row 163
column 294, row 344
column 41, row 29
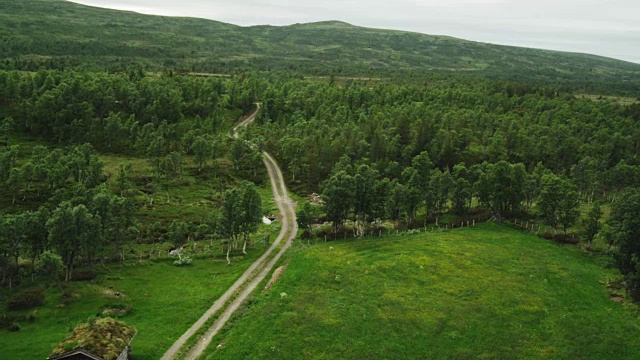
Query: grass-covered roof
column 105, row 337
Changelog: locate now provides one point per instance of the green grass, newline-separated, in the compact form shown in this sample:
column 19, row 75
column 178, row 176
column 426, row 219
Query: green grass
column 166, row 301
column 488, row 292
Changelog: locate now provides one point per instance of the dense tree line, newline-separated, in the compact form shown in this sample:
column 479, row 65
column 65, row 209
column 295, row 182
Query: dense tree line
column 357, row 191
column 311, row 125
column 624, row 234
column 80, row 217
column 125, row 111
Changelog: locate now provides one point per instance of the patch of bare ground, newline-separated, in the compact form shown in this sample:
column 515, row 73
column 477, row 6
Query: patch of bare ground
column 275, row 277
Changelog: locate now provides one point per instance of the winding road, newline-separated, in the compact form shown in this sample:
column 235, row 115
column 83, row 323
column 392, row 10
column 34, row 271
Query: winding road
column 231, row 300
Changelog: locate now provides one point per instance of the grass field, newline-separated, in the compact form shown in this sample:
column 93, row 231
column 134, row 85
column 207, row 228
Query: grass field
column 489, row 292
column 165, row 301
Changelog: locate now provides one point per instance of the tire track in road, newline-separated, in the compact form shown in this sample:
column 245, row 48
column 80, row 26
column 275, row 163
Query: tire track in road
column 252, row 277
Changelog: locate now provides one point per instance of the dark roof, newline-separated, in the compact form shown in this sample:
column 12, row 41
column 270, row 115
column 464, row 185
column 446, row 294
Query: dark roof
column 79, row 354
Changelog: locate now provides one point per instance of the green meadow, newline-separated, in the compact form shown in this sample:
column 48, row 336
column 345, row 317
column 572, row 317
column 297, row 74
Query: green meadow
column 490, row 292
column 162, row 300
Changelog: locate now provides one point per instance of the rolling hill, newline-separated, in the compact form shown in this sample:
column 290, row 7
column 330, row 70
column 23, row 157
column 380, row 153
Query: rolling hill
column 56, row 33
column 489, row 292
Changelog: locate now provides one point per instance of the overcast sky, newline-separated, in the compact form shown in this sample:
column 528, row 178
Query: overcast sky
column 603, row 27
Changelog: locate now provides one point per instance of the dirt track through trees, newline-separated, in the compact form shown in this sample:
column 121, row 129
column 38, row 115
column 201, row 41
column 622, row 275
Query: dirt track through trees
column 231, row 300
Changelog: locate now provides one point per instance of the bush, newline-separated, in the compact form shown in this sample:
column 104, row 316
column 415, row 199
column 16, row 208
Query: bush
column 50, row 264
column 83, row 275
column 27, row 299
column 185, row 261
column 10, row 322
column 7, row 320
column 115, row 310
column 562, row 238
column 32, row 317
column 67, row 296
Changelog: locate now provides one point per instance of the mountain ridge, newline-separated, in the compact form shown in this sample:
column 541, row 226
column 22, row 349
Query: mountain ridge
column 341, row 23
column 57, row 33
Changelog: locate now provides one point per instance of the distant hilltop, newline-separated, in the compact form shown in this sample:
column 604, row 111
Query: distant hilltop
column 54, row 33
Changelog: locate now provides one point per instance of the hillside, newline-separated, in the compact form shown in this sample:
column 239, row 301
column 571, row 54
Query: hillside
column 488, row 292
column 56, row 33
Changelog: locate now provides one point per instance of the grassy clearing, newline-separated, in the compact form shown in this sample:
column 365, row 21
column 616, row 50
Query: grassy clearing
column 486, row 292
column 191, row 197
column 622, row 100
column 165, row 301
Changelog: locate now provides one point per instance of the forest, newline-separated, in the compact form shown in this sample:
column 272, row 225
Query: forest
column 58, row 193
column 374, row 150
column 140, row 166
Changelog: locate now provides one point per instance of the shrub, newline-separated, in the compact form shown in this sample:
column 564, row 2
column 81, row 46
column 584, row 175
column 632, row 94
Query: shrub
column 50, row 264
column 10, row 322
column 7, row 320
column 566, row 239
column 83, row 275
column 67, row 296
column 27, row 299
column 115, row 310
column 184, row 261
column 562, row 238
column 32, row 317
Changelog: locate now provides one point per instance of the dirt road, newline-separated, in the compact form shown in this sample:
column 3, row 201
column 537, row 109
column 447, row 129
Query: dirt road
column 247, row 283
column 248, row 120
